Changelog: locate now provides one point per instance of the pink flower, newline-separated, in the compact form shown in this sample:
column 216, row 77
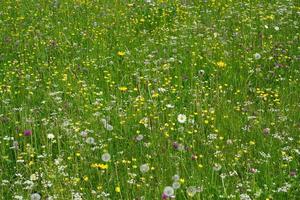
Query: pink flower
column 27, row 133
column 164, row 196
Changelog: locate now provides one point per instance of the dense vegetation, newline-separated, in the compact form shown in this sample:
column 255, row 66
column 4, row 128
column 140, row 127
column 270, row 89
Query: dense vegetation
column 113, row 99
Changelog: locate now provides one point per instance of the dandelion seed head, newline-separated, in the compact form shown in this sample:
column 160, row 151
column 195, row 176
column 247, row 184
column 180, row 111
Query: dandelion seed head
column 106, row 157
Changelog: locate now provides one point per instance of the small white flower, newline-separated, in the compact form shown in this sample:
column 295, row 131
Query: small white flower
column 170, row 106
column 169, row 191
column 181, row 118
column 276, row 28
column 245, row 197
column 50, row 136
column 106, row 157
column 35, row 196
column 144, row 168
column 18, row 197
column 33, row 177
column 217, row 167
column 257, row 56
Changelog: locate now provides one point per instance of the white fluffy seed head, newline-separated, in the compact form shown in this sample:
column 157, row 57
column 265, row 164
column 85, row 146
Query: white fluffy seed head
column 35, row 196
column 144, row 168
column 169, row 191
column 106, row 157
column 176, row 185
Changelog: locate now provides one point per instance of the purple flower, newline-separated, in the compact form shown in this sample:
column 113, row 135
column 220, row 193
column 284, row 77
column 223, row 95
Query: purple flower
column 27, row 133
column 164, row 196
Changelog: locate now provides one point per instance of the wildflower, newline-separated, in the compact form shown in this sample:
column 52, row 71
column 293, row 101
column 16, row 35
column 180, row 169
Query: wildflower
column 176, row 177
column 169, row 191
column 35, row 196
column 106, row 157
column 245, row 197
column 27, row 132
column 194, row 157
column 170, row 106
column 266, row 131
column 253, row 170
column 123, row 88
column 15, row 145
column 50, row 136
column 191, row 191
column 140, row 137
column 181, row 118
column 144, row 168
column 176, row 185
column 257, row 56
column 99, row 166
column 293, row 173
column 201, row 72
column 221, row 64
column 121, row 53
column 83, row 133
column 217, row 167
column 118, row 189
column 178, row 146
column 90, row 140
column 108, row 127
column 164, row 196
column 33, row 177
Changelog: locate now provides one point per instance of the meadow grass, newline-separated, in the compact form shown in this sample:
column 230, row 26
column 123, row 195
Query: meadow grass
column 111, row 99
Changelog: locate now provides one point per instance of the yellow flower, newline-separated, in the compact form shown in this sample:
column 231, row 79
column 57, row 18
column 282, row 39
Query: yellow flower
column 99, row 166
column 123, row 88
column 121, row 53
column 118, row 189
column 221, row 64
column 155, row 94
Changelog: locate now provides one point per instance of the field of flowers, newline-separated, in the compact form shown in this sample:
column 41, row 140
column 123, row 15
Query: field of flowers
column 149, row 99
